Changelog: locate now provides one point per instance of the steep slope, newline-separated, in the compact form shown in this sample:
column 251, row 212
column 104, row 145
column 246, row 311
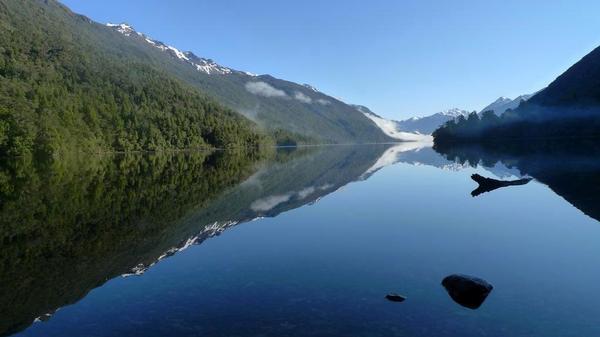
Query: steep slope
column 67, row 83
column 579, row 86
column 428, row 124
column 272, row 103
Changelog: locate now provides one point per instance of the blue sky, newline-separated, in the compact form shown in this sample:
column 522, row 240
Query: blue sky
column 400, row 58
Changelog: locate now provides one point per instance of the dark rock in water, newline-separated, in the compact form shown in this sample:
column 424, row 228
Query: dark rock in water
column 395, row 297
column 467, row 291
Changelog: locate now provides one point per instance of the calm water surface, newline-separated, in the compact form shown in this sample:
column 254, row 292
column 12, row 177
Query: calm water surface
column 303, row 243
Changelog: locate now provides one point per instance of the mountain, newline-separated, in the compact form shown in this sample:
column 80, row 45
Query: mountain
column 428, row 124
column 68, row 83
column 502, row 104
column 569, row 108
column 272, row 103
column 578, row 87
column 391, row 127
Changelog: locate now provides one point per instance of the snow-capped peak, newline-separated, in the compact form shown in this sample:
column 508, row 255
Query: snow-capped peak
column 122, row 28
column 454, row 112
column 204, row 65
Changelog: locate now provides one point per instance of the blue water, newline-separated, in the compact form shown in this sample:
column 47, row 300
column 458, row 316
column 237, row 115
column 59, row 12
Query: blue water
column 323, row 268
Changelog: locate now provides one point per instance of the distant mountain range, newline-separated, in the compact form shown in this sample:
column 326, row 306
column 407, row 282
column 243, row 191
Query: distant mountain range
column 428, row 124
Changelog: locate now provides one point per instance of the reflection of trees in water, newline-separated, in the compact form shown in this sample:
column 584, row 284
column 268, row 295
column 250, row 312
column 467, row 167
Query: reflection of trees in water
column 570, row 168
column 68, row 226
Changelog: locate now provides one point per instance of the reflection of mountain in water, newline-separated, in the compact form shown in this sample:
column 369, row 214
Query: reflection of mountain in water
column 571, row 170
column 68, row 227
column 416, row 153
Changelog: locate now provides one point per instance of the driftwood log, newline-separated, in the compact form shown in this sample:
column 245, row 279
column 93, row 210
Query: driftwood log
column 489, row 184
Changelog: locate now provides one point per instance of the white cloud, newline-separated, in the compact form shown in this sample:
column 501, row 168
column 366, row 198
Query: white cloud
column 302, row 97
column 323, row 101
column 264, row 89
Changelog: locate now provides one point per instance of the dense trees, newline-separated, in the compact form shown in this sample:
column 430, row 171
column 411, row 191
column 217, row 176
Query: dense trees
column 518, row 126
column 59, row 91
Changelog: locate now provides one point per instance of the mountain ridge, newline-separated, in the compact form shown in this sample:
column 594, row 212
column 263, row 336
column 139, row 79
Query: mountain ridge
column 270, row 102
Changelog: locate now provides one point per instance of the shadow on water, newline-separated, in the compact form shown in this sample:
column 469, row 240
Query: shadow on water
column 69, row 226
column 570, row 169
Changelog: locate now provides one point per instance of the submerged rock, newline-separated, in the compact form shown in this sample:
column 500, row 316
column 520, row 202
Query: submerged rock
column 395, row 297
column 467, row 291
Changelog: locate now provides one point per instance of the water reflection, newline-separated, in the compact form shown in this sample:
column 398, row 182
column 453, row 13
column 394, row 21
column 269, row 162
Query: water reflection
column 570, row 169
column 68, row 226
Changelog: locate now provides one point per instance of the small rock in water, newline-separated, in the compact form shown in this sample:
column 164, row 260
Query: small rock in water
column 395, row 297
column 467, row 291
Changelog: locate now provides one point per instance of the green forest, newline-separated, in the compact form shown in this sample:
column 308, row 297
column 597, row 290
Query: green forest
column 59, row 91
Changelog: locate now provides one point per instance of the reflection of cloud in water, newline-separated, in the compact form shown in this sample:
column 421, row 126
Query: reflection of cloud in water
column 268, row 203
column 325, row 187
column 306, row 192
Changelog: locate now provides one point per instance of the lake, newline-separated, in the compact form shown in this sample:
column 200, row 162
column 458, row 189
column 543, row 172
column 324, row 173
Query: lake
column 299, row 242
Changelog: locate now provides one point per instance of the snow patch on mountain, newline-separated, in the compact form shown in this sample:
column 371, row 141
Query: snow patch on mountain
column 428, row 124
column 122, row 28
column 204, row 65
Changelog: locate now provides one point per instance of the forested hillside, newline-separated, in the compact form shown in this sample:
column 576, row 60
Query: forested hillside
column 60, row 89
column 568, row 108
